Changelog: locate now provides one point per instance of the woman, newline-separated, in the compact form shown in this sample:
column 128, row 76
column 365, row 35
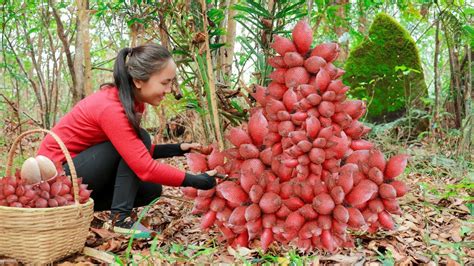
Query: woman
column 112, row 154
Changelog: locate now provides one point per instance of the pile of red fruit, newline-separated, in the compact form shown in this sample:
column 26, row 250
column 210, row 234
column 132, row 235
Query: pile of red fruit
column 299, row 172
column 57, row 191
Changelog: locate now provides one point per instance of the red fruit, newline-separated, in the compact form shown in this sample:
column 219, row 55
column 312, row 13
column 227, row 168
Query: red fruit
column 200, row 203
column 337, row 194
column 376, row 205
column 400, row 187
column 231, row 192
column 293, row 59
column 369, row 216
column 294, row 222
column 224, row 215
column 53, row 203
column 197, row 162
column 314, row 63
column 327, row 241
column 289, row 100
column 283, row 212
column 361, row 144
column 282, row 45
column 276, row 62
column 252, row 212
column 356, row 219
column 386, row 221
column 341, row 214
column 302, row 36
column 376, row 175
column 355, row 108
column 326, row 109
column 248, row 151
column 12, row 198
column 206, row 193
column 285, row 127
column 362, row 192
column 293, row 203
column 358, row 156
column 268, row 220
column 317, row 155
column 387, row 191
column 254, row 228
column 208, row 219
column 376, row 159
column 270, row 202
column 278, row 75
column 215, row 159
column 242, row 240
column 189, row 192
column 328, row 51
column 395, row 166
column 323, row 203
column 322, row 80
column 8, row 190
column 237, row 217
column 391, row 205
column 328, row 96
column 306, row 89
column 238, row 136
column 41, row 203
column 314, row 99
column 320, row 143
column 308, row 212
column 296, row 76
column 266, row 156
column 217, row 204
column 258, row 127
column 266, row 239
column 312, row 126
column 283, row 115
column 276, row 90
column 253, row 166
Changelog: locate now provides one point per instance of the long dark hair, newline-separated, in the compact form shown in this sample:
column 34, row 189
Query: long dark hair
column 141, row 63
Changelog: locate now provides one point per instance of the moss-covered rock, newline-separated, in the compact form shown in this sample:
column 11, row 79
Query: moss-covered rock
column 385, row 70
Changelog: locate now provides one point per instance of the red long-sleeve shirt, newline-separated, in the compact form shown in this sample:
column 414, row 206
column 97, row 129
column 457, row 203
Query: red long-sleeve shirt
column 98, row 118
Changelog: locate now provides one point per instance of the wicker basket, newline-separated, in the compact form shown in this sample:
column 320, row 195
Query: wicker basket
column 44, row 235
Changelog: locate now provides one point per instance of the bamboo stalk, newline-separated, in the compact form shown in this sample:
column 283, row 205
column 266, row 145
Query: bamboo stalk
column 211, row 81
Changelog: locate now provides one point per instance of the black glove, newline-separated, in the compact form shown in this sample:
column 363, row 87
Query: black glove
column 168, row 150
column 200, row 181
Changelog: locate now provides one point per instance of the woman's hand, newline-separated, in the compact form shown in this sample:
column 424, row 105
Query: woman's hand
column 189, row 147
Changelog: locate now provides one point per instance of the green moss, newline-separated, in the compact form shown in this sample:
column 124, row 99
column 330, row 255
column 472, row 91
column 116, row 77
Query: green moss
column 385, row 70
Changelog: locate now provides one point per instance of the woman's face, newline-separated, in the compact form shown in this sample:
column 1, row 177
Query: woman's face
column 154, row 89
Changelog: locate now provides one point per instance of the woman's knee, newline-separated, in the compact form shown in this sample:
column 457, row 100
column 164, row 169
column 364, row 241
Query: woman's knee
column 145, row 136
column 147, row 192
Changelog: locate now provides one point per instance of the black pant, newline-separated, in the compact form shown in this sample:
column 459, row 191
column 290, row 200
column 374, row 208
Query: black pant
column 114, row 185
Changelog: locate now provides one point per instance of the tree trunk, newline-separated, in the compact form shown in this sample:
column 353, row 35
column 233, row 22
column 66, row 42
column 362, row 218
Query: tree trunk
column 212, row 85
column 469, row 116
column 228, row 55
column 340, row 30
column 436, row 77
column 83, row 13
column 64, row 40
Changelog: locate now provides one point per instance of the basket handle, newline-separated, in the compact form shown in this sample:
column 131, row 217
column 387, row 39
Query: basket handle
column 72, row 169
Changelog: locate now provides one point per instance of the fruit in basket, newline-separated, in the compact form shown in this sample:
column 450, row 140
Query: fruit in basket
column 30, row 171
column 47, row 167
column 57, row 191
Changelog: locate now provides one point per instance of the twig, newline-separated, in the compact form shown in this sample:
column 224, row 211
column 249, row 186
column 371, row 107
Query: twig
column 98, row 255
column 176, row 198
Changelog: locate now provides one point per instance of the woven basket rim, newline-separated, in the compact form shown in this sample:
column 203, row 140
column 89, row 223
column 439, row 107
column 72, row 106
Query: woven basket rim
column 48, row 209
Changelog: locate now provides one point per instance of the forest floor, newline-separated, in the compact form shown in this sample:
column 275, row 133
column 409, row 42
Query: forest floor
column 435, row 228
